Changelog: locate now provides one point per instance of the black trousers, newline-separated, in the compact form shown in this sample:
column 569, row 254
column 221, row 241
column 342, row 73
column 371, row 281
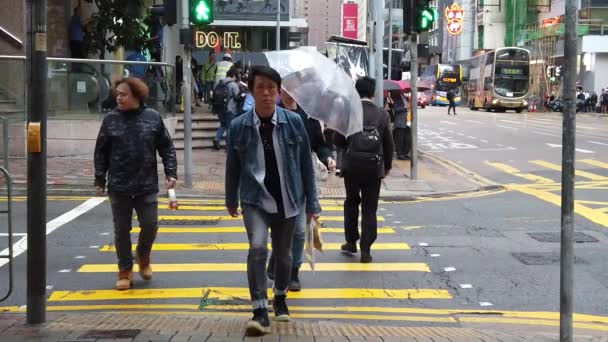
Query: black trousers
column 452, row 106
column 364, row 191
column 146, row 207
column 402, row 137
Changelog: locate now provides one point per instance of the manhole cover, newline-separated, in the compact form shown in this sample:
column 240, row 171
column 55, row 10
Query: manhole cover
column 110, row 334
column 188, row 222
column 556, row 237
column 542, row 258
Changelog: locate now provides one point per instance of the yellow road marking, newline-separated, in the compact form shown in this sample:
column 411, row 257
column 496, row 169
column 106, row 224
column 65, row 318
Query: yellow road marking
column 516, row 172
column 223, row 208
column 595, row 163
column 244, row 247
column 225, row 293
column 399, row 310
column 592, row 202
column 529, row 322
column 230, row 218
column 593, row 215
column 580, row 173
column 241, row 267
column 220, row 230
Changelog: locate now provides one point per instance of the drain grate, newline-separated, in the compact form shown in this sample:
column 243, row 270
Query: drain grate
column 556, row 237
column 188, row 222
column 110, row 334
column 542, row 258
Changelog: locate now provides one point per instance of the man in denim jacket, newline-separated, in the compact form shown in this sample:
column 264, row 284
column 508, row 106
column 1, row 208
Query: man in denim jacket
column 269, row 167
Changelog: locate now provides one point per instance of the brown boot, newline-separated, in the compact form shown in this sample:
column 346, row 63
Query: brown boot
column 125, row 280
column 145, row 271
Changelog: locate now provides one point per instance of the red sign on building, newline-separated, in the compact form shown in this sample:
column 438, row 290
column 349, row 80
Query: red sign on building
column 350, row 21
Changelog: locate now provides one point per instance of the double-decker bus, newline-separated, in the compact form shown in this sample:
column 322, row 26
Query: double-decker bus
column 443, row 78
column 499, row 80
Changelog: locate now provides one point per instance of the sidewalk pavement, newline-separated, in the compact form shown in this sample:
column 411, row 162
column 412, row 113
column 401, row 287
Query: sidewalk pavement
column 436, row 177
column 88, row 327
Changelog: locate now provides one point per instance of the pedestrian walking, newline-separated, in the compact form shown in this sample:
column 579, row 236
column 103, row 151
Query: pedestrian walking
column 225, row 103
column 401, row 131
column 269, row 168
column 324, row 153
column 593, row 100
column 125, row 153
column 223, row 67
column 76, row 34
column 367, row 159
column 451, row 98
column 207, row 76
column 604, row 100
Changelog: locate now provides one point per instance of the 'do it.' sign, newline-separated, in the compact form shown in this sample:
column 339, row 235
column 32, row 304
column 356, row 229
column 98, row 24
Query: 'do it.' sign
column 230, row 40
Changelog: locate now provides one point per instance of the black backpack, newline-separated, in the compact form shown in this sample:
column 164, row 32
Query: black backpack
column 221, row 98
column 364, row 153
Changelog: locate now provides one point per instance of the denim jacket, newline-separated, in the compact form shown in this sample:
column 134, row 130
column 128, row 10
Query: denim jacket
column 242, row 160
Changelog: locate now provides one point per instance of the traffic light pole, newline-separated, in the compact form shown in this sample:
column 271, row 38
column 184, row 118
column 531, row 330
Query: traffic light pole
column 36, row 161
column 414, row 104
column 278, row 25
column 378, row 51
column 187, row 91
column 568, row 165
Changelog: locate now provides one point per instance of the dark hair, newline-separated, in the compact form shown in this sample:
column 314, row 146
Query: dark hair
column 366, row 87
column 232, row 72
column 139, row 89
column 266, row 71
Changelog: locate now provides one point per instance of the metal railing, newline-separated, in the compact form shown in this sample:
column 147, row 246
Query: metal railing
column 79, row 88
column 5, row 142
column 8, row 212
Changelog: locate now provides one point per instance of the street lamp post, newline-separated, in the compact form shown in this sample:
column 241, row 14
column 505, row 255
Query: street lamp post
column 568, row 161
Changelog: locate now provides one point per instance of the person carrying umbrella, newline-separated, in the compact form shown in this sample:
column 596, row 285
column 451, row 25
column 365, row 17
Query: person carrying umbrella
column 324, row 153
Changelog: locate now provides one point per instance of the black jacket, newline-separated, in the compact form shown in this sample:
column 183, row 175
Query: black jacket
column 315, row 135
column 373, row 116
column 126, row 151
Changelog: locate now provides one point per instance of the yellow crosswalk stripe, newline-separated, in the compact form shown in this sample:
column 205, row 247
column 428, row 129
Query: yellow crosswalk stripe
column 595, row 163
column 245, row 246
column 221, row 230
column 223, row 208
column 230, row 218
column 516, row 172
column 225, row 293
column 580, row 173
column 221, row 202
column 242, row 267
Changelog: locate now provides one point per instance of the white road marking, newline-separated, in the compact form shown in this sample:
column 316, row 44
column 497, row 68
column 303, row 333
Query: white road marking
column 485, row 304
column 580, row 150
column 94, row 247
column 435, row 255
column 473, row 121
column 449, row 269
column 510, row 121
column 448, row 122
column 465, row 286
column 397, row 222
column 551, row 135
column 461, row 134
column 597, row 143
column 389, row 215
column 79, row 257
column 65, row 271
column 499, row 149
column 49, row 287
column 485, row 141
column 470, row 137
column 14, row 234
column 423, row 244
column 104, row 234
column 508, row 127
column 21, row 246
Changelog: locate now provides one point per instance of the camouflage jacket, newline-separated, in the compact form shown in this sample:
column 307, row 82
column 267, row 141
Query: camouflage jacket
column 126, row 152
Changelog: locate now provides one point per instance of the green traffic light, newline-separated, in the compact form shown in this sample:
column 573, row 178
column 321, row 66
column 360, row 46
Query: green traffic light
column 427, row 17
column 202, row 12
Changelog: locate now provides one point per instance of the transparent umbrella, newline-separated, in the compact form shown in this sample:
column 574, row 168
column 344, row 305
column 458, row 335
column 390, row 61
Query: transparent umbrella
column 320, row 87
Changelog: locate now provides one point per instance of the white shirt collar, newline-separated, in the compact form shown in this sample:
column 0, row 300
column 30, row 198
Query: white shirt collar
column 257, row 121
column 367, row 100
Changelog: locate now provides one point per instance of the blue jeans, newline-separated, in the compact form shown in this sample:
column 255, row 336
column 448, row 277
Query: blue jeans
column 257, row 223
column 225, row 120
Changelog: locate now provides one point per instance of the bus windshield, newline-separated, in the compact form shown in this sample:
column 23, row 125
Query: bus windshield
column 511, row 78
column 449, row 78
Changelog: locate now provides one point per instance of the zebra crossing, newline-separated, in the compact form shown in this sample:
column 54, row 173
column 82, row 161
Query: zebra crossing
column 200, row 257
